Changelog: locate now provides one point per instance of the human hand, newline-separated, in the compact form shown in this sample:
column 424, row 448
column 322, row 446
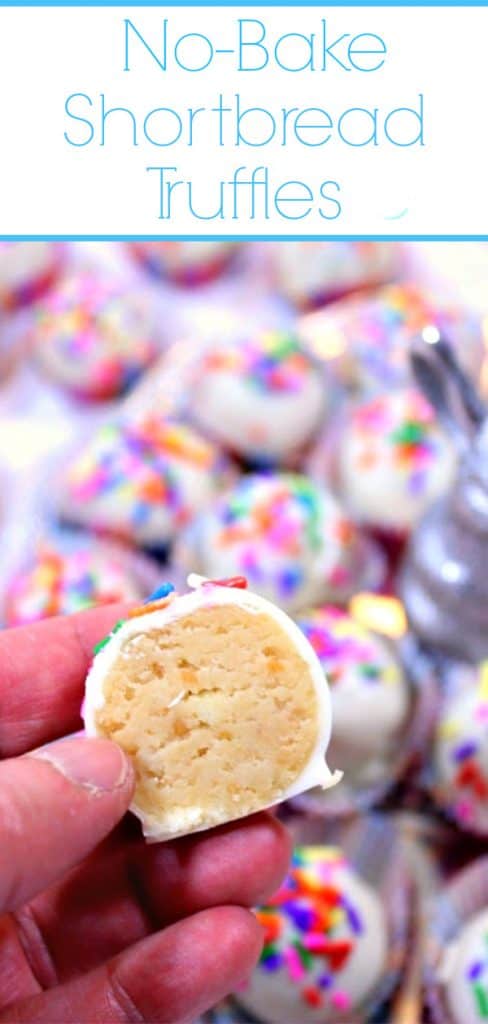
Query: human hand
column 96, row 926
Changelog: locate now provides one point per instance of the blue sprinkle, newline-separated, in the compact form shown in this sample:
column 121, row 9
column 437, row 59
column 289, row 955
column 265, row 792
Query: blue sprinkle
column 354, row 918
column 465, row 750
column 475, row 971
column 160, row 592
column 290, row 580
column 272, row 962
column 324, row 981
column 301, row 917
column 140, row 514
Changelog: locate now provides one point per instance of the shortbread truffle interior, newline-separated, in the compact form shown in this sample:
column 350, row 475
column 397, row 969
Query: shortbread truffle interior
column 218, row 711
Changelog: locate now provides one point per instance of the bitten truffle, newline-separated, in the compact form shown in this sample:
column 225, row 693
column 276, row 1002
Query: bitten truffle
column 220, row 702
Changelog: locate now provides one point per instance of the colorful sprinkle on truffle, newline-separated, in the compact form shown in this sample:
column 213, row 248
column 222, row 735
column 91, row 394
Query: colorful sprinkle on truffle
column 343, row 644
column 311, row 928
column 270, row 361
column 142, row 478
column 367, row 339
column 413, row 437
column 94, row 335
column 461, row 755
column 281, row 531
column 477, row 978
column 62, row 582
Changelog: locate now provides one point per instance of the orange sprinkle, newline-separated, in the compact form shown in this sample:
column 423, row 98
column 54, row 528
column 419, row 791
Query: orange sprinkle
column 154, row 606
column 153, row 489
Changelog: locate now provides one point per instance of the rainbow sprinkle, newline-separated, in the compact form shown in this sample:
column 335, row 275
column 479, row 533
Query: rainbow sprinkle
column 372, row 334
column 27, row 270
column 276, row 525
column 95, row 335
column 271, row 361
column 61, row 582
column 157, row 600
column 477, row 978
column 138, row 468
column 406, row 424
column 161, row 592
column 106, row 639
column 311, row 928
column 463, row 734
column 343, row 645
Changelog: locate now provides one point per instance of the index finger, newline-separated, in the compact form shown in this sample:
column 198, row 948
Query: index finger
column 42, row 675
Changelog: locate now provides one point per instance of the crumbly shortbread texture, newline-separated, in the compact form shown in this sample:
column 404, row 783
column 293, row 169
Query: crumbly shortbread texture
column 217, row 710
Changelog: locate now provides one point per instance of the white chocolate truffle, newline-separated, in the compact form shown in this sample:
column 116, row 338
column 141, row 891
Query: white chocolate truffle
column 141, row 478
column 219, row 701
column 326, row 944
column 464, row 972
column 68, row 573
column 364, row 341
column 261, row 397
column 393, row 460
column 95, row 335
column 369, row 692
column 26, row 269
column 460, row 757
column 310, row 273
column 289, row 537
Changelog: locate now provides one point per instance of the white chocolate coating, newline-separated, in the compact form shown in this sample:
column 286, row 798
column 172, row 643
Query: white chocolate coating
column 142, row 478
column 22, row 264
column 370, row 698
column 95, row 334
column 393, row 460
column 308, row 272
column 287, row 536
column 460, row 756
column 365, row 340
column 324, row 987
column 261, row 397
column 464, row 972
column 185, row 260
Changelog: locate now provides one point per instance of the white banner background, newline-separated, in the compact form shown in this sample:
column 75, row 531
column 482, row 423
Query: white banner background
column 50, row 187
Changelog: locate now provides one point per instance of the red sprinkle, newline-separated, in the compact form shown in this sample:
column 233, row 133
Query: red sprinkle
column 239, row 582
column 312, row 996
column 471, row 777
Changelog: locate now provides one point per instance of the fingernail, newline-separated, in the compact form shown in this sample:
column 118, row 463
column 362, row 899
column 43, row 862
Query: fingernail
column 97, row 765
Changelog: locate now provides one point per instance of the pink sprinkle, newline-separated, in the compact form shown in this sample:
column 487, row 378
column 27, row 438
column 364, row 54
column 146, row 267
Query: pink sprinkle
column 340, row 1000
column 294, row 964
column 463, row 810
column 313, row 942
column 87, row 488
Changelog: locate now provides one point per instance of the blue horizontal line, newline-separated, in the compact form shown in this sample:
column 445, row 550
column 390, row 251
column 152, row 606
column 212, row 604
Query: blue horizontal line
column 244, row 238
column 245, row 3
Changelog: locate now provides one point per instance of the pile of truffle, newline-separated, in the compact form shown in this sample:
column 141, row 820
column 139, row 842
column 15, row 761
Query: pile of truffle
column 251, row 410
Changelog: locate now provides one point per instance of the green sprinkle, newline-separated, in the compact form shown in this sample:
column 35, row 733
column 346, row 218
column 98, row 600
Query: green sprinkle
column 101, row 644
column 284, row 345
column 482, row 1001
column 370, row 670
column 410, row 433
column 268, row 951
column 106, row 639
column 305, row 956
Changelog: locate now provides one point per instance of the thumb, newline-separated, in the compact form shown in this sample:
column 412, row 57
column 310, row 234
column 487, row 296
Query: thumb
column 56, row 804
